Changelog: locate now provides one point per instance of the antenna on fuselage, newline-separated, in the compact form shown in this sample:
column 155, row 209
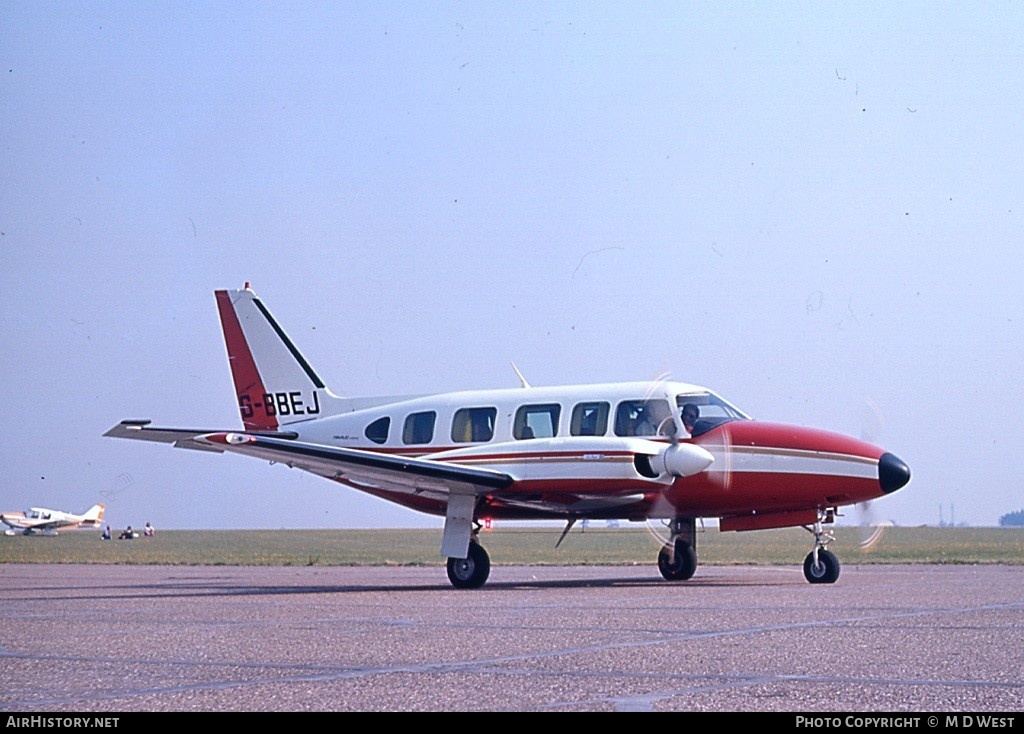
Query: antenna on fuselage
column 519, row 375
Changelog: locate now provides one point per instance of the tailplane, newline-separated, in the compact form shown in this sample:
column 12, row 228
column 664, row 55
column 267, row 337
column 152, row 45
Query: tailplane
column 274, row 383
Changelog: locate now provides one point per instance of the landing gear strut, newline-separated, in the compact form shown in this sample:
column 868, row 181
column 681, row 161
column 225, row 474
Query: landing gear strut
column 821, row 565
column 677, row 560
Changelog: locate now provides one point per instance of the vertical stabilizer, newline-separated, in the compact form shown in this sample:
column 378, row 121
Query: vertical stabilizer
column 95, row 513
column 274, row 383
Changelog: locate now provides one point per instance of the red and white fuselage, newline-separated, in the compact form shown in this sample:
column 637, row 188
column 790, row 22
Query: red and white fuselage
column 759, row 473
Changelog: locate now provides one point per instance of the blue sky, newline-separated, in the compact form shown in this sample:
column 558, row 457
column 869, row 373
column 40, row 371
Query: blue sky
column 814, row 210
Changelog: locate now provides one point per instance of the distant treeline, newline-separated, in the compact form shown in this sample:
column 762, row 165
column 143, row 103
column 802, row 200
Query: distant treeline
column 1012, row 519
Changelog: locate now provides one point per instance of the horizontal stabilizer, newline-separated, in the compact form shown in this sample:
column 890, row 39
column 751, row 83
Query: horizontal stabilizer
column 182, row 438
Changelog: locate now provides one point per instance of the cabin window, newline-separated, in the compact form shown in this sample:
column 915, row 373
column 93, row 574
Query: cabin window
column 589, row 419
column 473, row 424
column 419, row 427
column 643, row 418
column 536, row 421
column 378, row 430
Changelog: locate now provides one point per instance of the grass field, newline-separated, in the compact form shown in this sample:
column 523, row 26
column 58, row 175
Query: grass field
column 508, row 546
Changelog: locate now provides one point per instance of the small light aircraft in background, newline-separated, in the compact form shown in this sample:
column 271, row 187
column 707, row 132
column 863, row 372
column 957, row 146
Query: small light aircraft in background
column 636, row 451
column 46, row 522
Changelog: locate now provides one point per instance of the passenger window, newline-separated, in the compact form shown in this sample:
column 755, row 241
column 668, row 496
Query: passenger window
column 473, row 424
column 642, row 418
column 537, row 421
column 419, row 427
column 378, row 430
column 589, row 419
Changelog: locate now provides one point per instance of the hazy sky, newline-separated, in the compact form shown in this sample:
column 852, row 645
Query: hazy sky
column 816, row 210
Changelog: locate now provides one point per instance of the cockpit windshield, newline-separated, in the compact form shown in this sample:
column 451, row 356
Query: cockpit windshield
column 702, row 411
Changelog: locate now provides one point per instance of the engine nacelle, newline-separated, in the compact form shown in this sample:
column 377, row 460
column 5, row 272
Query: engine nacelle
column 682, row 460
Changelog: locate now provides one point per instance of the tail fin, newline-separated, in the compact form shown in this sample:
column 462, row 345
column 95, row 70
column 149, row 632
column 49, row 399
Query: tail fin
column 93, row 515
column 274, row 383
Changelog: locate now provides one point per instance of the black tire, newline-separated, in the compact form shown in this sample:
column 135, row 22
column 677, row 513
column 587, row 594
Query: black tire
column 826, row 571
column 683, row 566
column 472, row 571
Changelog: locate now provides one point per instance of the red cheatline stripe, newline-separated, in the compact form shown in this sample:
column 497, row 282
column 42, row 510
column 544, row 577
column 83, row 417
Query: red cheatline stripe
column 243, row 366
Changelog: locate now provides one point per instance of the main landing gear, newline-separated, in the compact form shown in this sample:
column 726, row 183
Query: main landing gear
column 677, row 559
column 821, row 565
column 472, row 571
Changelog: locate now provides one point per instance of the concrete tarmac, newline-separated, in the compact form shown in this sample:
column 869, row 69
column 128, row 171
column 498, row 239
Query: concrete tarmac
column 170, row 638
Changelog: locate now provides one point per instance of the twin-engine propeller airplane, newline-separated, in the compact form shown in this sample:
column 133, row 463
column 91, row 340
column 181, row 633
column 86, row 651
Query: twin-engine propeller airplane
column 46, row 522
column 626, row 451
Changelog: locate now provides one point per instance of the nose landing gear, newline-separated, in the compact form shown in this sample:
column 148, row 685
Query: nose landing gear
column 677, row 560
column 821, row 565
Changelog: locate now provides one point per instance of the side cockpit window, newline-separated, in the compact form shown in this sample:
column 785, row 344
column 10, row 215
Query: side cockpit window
column 419, row 427
column 589, row 419
column 378, row 430
column 473, row 424
column 702, row 411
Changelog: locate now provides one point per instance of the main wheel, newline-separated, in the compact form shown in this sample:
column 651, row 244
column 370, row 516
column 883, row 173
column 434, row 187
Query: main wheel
column 472, row 571
column 680, row 568
column 825, row 571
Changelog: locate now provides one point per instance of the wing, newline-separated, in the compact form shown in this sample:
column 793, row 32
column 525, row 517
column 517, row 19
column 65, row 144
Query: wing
column 441, row 484
column 364, row 468
column 439, row 479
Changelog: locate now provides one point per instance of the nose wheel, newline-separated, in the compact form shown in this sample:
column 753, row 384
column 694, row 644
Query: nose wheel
column 821, row 570
column 821, row 565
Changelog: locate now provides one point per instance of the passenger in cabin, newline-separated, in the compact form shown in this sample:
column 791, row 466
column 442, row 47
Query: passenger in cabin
column 588, row 424
column 642, row 424
column 481, row 430
column 690, row 415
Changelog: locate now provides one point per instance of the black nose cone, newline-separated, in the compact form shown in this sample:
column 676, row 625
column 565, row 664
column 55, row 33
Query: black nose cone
column 893, row 473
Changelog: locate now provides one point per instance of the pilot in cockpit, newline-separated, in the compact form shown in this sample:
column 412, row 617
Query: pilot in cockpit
column 690, row 415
